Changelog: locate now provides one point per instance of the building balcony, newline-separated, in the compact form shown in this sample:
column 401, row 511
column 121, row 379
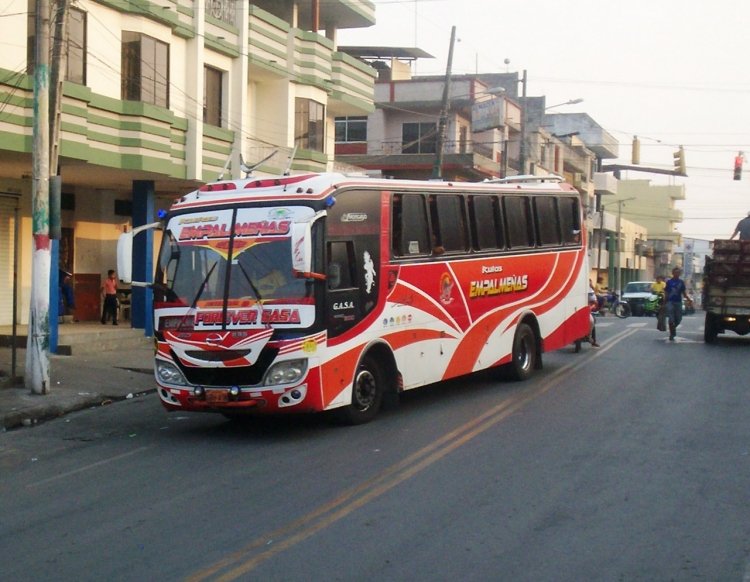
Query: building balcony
column 351, row 86
column 457, row 166
column 675, row 215
column 268, row 37
column 334, row 13
column 312, row 57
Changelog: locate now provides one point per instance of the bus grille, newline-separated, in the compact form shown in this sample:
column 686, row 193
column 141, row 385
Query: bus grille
column 235, row 376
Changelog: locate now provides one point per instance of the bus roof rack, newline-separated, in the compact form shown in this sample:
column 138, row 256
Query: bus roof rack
column 527, row 178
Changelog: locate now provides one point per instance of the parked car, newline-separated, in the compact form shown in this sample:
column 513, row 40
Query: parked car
column 637, row 293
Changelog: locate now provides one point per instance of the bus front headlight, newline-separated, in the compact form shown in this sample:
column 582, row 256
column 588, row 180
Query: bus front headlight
column 286, row 372
column 169, row 373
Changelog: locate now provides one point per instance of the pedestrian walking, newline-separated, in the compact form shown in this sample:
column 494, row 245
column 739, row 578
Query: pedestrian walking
column 674, row 292
column 109, row 295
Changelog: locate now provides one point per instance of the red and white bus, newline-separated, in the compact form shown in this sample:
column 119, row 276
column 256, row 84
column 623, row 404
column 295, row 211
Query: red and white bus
column 318, row 292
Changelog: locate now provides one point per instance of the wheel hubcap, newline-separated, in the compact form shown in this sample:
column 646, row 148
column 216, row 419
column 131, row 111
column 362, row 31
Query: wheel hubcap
column 524, row 354
column 365, row 389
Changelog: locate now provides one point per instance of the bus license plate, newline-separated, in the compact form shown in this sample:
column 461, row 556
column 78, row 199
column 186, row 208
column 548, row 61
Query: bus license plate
column 217, row 396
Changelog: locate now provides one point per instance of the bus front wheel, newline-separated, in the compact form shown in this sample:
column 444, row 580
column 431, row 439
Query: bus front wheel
column 367, row 394
column 524, row 354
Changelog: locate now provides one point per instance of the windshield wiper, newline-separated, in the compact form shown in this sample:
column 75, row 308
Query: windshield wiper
column 198, row 294
column 250, row 282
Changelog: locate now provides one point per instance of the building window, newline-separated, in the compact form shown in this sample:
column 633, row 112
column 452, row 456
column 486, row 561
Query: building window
column 212, row 95
column 351, row 129
column 75, row 71
column 145, row 69
column 74, row 48
column 463, row 139
column 224, row 10
column 309, row 117
column 419, row 138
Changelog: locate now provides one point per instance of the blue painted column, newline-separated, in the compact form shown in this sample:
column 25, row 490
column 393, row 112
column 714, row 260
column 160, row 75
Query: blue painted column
column 54, row 295
column 141, row 302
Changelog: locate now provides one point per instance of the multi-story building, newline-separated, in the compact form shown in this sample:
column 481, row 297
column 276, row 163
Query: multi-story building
column 401, row 138
column 653, row 206
column 157, row 97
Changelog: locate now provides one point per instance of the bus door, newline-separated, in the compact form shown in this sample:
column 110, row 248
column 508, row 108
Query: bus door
column 352, row 258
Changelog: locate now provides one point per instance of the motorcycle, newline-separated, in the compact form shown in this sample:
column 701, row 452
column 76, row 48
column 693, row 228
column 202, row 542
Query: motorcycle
column 653, row 305
column 615, row 305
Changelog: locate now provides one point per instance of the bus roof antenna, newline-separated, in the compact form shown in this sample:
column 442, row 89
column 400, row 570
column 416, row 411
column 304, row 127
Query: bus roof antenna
column 249, row 169
column 225, row 168
column 291, row 161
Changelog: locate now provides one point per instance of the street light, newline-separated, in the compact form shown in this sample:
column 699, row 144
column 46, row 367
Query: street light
column 569, row 102
column 619, row 241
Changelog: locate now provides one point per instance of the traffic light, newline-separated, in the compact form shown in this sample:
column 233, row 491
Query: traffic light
column 635, row 156
column 739, row 159
column 679, row 162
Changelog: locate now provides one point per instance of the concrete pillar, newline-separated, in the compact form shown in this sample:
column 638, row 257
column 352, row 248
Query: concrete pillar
column 143, row 268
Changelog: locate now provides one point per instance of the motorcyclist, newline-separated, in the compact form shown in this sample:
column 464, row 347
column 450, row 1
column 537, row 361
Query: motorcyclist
column 658, row 289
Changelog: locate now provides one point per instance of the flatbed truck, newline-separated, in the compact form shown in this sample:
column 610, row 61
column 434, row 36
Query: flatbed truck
column 726, row 289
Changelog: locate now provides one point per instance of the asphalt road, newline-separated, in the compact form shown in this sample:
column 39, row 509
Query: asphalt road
column 631, row 462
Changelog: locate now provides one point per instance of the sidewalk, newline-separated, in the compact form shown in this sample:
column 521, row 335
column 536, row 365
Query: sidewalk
column 76, row 382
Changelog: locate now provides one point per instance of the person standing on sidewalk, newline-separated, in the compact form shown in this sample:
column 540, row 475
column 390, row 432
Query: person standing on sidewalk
column 109, row 294
column 674, row 291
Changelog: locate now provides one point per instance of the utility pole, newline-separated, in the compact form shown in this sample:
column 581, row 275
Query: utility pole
column 601, row 238
column 522, row 148
column 37, row 344
column 437, row 168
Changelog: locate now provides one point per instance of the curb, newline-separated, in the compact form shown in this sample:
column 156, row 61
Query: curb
column 31, row 416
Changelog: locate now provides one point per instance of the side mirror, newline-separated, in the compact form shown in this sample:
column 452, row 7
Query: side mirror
column 125, row 257
column 125, row 253
column 302, row 248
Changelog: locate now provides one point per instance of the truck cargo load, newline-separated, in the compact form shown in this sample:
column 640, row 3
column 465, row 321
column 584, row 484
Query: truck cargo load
column 726, row 289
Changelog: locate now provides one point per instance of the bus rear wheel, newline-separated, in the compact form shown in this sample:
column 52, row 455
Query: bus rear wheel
column 367, row 394
column 525, row 354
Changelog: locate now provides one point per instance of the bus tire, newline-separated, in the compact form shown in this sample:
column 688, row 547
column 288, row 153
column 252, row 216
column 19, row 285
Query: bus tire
column 367, row 394
column 525, row 354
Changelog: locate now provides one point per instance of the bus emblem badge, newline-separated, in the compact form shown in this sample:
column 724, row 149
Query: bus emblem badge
column 446, row 289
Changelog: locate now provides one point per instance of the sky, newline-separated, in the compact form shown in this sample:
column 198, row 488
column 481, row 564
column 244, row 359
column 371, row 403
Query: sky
column 672, row 72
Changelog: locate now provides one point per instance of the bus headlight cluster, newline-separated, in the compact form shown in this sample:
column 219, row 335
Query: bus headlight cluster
column 286, row 372
column 169, row 373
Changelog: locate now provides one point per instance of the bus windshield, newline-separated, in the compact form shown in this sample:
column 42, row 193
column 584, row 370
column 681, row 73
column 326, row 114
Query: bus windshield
column 243, row 258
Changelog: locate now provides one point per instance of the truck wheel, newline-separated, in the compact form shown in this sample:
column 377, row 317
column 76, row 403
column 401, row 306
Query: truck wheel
column 524, row 354
column 711, row 329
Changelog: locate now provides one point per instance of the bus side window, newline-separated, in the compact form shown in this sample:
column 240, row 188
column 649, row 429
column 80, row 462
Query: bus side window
column 570, row 222
column 451, row 222
column 341, row 265
column 486, row 227
column 546, row 221
column 518, row 221
column 410, row 235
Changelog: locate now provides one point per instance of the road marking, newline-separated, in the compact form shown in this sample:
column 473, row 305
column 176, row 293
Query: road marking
column 240, row 563
column 86, row 468
column 639, row 324
column 681, row 340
